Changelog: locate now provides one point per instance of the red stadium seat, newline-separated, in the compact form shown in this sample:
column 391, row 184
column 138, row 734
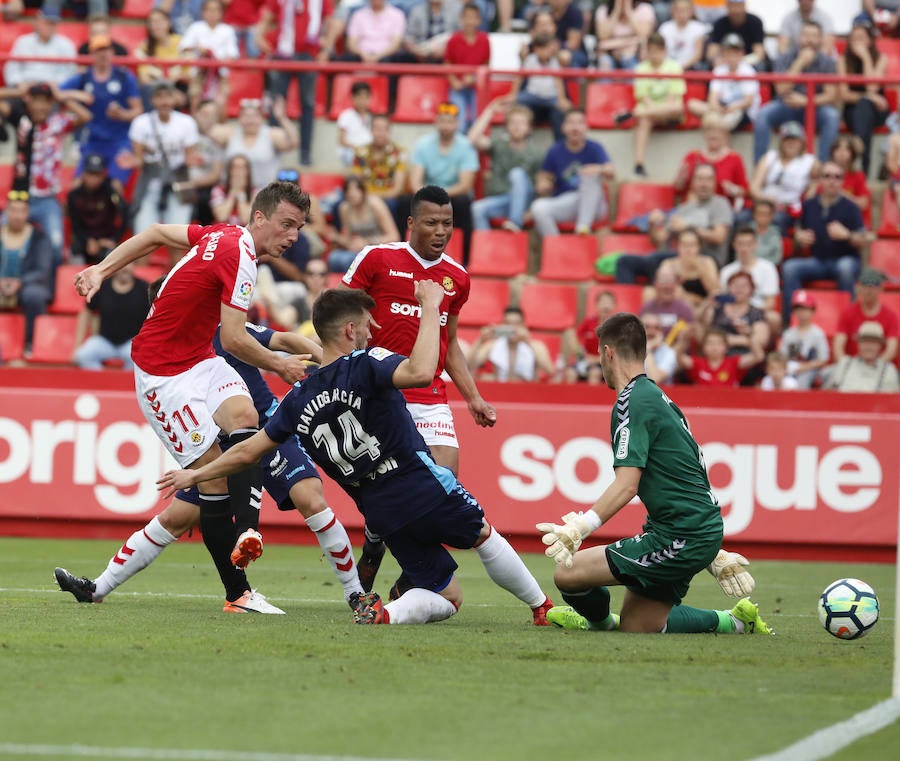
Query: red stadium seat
column 54, row 339
column 340, row 93
column 487, row 300
column 552, row 340
column 12, row 30
column 418, row 98
column 890, row 216
column 495, row 88
column 136, row 9
column 695, row 91
column 889, row 47
column 498, row 253
column 7, row 173
column 891, row 301
column 244, row 84
column 129, row 36
column 76, row 31
column 884, row 255
column 293, row 98
column 321, row 184
column 12, row 336
column 65, row 298
column 626, row 243
column 66, row 181
column 549, row 306
column 568, row 257
column 604, row 101
column 629, row 298
column 829, row 305
column 637, row 198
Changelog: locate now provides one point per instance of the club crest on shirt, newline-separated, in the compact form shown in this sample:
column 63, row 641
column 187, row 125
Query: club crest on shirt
column 196, row 438
column 245, row 289
column 449, row 285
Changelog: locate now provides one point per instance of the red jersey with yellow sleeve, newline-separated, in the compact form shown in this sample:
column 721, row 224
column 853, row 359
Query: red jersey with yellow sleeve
column 219, row 269
column 388, row 273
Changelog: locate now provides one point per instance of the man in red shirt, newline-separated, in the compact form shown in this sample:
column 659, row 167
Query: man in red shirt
column 388, row 273
column 187, row 393
column 293, row 30
column 866, row 308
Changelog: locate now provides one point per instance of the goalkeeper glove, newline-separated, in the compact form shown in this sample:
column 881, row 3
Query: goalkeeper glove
column 563, row 541
column 728, row 569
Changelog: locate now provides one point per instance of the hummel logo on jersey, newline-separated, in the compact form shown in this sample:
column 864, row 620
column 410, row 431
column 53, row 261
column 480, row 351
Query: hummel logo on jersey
column 395, row 273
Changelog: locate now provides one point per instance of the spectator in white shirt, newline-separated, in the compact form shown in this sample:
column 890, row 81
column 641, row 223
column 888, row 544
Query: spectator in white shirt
column 767, row 285
column 792, row 25
column 210, row 38
column 736, row 101
column 163, row 141
column 43, row 42
column 777, row 376
column 355, row 123
column 684, row 35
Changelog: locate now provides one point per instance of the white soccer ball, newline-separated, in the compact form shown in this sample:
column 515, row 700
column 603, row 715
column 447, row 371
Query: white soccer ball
column 848, row 608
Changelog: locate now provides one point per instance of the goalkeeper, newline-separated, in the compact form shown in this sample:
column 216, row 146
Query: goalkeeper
column 657, row 459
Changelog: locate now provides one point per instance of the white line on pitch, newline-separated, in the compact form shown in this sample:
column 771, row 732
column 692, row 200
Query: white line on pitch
column 830, row 740
column 166, row 754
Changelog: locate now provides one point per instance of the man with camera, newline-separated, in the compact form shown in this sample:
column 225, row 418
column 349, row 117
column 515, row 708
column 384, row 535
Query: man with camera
column 164, row 145
column 508, row 352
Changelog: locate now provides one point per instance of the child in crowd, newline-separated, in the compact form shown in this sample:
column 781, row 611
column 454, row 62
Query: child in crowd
column 544, row 95
column 769, row 245
column 468, row 47
column 714, row 368
column 777, row 377
column 355, row 123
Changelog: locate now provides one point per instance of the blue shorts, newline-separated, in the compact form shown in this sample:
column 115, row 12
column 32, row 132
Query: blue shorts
column 285, row 466
column 418, row 547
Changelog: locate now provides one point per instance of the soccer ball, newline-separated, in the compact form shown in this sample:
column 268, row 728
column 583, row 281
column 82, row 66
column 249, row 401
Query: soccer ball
column 848, row 608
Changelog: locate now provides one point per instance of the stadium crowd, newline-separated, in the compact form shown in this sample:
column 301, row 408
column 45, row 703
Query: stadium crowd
column 765, row 272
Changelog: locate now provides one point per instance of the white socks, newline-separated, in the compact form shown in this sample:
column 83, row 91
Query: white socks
column 507, row 570
column 335, row 544
column 139, row 551
column 419, row 606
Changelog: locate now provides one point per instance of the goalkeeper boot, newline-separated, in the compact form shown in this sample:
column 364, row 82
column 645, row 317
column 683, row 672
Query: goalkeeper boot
column 540, row 612
column 566, row 617
column 367, row 608
column 369, row 562
column 746, row 618
column 82, row 589
column 248, row 548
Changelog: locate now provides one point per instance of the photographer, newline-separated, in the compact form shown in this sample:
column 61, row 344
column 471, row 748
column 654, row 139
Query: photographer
column 164, row 144
column 507, row 352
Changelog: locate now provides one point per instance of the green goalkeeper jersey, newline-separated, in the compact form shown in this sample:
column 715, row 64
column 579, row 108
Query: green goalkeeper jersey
column 649, row 432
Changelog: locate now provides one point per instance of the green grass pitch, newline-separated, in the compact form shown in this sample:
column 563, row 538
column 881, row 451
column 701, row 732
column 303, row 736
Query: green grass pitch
column 159, row 666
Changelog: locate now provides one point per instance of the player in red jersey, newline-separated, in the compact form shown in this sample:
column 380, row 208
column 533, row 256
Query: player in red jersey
column 186, row 392
column 388, row 273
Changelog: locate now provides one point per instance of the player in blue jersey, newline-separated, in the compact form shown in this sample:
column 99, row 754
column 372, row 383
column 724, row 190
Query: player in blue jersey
column 288, row 476
column 352, row 420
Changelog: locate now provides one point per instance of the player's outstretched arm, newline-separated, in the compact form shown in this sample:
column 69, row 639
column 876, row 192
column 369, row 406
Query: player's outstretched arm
column 296, row 344
column 418, row 370
column 238, row 457
column 234, row 338
column 88, row 281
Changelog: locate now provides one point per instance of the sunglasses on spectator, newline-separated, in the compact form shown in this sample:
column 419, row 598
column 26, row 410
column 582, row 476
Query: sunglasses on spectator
column 448, row 108
column 832, row 176
column 17, row 195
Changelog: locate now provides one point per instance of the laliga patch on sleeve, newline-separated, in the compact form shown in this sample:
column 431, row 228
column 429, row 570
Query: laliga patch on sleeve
column 380, row 353
column 622, row 449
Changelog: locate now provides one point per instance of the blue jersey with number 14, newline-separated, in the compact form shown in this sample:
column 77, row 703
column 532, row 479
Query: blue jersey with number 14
column 354, row 424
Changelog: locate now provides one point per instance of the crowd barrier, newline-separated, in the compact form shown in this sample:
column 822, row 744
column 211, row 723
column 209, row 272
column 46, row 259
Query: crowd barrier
column 799, row 475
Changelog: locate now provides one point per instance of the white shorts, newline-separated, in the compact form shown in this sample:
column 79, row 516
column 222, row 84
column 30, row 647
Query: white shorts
column 180, row 407
column 435, row 423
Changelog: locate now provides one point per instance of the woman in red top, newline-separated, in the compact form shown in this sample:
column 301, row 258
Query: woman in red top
column 731, row 176
column 467, row 47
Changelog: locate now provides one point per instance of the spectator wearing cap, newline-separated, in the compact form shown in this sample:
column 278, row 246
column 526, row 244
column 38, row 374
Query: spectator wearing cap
column 43, row 42
column 110, row 320
column 111, row 93
column 783, row 176
column 790, row 34
column 867, row 308
column 42, row 119
column 446, row 158
column 354, row 123
column 97, row 213
column 867, row 371
column 291, row 31
column 735, row 101
column 26, row 263
column 750, row 31
column 163, row 143
column 790, row 98
column 570, row 181
column 804, row 343
column 831, row 227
